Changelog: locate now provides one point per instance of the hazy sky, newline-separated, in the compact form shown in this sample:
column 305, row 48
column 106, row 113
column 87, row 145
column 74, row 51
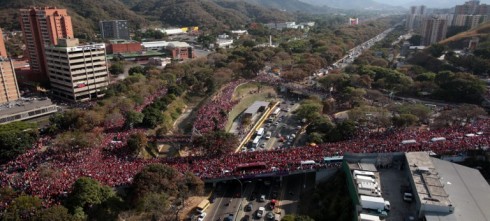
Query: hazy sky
column 431, row 3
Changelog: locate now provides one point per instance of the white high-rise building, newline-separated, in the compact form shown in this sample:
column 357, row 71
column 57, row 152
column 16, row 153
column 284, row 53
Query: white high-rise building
column 77, row 72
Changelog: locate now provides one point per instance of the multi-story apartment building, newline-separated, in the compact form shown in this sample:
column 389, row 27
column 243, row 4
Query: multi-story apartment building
column 43, row 27
column 9, row 89
column 434, row 29
column 3, row 50
column 414, row 19
column 115, row 29
column 77, row 72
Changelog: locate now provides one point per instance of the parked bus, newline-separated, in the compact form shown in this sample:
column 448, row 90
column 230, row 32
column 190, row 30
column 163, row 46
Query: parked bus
column 334, row 159
column 436, row 139
column 251, row 166
column 307, row 162
column 255, row 142
column 409, row 141
column 260, row 132
column 276, row 112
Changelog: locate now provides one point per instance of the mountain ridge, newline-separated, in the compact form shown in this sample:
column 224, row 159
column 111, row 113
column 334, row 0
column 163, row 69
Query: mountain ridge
column 86, row 14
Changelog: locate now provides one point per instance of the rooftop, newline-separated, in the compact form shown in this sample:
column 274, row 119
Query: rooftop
column 427, row 180
column 256, row 106
column 24, row 104
column 121, row 41
column 468, row 190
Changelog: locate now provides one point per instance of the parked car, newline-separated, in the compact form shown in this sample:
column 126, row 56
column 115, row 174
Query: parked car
column 270, row 216
column 249, row 207
column 262, row 198
column 260, row 212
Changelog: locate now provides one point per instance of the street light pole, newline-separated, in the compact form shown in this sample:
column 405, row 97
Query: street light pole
column 241, row 195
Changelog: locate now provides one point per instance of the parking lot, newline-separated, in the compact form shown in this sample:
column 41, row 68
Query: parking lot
column 284, row 129
column 391, row 183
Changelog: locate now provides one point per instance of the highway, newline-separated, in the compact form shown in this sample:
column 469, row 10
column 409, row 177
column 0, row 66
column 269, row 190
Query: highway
column 287, row 193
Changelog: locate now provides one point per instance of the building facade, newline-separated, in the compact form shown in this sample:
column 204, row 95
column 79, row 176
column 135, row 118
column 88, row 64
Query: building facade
column 3, row 50
column 42, row 27
column 77, row 72
column 9, row 89
column 123, row 46
column 114, row 29
column 433, row 30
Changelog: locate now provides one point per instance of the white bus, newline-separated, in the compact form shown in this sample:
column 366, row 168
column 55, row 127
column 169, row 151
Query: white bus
column 409, row 141
column 260, row 132
column 436, row 139
column 276, row 111
column 255, row 142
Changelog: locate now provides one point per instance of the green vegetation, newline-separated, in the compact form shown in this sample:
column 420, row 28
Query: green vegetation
column 216, row 143
column 15, row 139
column 329, row 201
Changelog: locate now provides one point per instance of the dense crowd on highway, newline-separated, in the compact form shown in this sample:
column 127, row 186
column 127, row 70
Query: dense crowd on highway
column 214, row 114
column 49, row 174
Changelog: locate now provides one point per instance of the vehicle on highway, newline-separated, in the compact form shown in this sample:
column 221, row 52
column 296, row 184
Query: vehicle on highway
column 268, row 135
column 260, row 212
column 249, row 207
column 270, row 216
column 230, row 217
column 201, row 216
column 262, row 198
column 202, row 206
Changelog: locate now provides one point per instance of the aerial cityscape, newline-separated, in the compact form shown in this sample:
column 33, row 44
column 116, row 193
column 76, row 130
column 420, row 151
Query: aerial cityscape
column 236, row 110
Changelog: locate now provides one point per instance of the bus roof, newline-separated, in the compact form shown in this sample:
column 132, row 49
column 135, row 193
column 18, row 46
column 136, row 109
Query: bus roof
column 256, row 140
column 203, row 204
column 307, row 162
column 333, row 158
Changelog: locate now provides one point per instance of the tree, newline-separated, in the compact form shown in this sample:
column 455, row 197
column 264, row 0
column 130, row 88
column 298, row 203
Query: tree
column 459, row 87
column 55, row 213
column 437, row 50
column 422, row 112
column 87, row 193
column 153, row 202
column 137, row 142
column 116, row 68
column 133, row 118
column 309, row 111
column 405, row 120
column 23, row 208
column 162, row 179
column 16, row 138
column 136, row 70
column 216, row 143
column 462, row 114
column 415, row 40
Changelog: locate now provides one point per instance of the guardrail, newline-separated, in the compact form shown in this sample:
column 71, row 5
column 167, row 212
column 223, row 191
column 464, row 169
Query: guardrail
column 256, row 126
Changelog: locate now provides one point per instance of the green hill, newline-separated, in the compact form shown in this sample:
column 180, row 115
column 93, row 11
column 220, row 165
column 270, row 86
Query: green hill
column 141, row 13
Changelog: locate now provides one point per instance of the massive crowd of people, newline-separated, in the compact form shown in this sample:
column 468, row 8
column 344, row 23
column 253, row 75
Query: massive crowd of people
column 49, row 174
column 214, row 114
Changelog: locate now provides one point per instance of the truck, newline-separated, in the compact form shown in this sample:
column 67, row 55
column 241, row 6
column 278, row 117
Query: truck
column 260, row 132
column 374, row 203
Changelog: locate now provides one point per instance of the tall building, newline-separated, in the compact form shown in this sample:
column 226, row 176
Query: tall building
column 43, row 27
column 3, row 50
column 434, row 29
column 414, row 18
column 468, row 8
column 115, row 29
column 9, row 89
column 77, row 72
